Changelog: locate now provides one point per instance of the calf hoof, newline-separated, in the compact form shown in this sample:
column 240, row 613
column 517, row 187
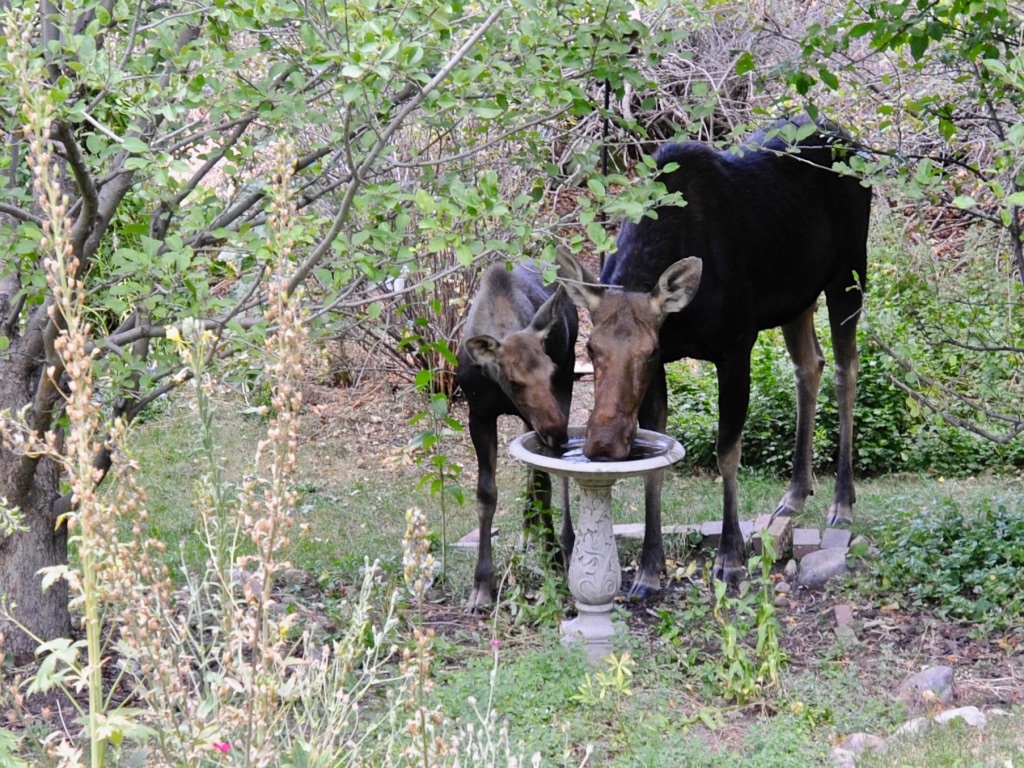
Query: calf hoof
column 729, row 570
column 480, row 599
column 839, row 516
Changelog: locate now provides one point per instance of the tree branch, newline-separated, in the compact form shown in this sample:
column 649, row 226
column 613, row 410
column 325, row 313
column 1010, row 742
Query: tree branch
column 326, row 243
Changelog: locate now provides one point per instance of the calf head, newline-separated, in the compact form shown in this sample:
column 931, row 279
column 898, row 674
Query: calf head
column 525, row 373
column 624, row 347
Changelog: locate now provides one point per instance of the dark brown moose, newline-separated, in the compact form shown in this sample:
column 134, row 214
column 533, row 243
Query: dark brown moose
column 765, row 229
column 517, row 358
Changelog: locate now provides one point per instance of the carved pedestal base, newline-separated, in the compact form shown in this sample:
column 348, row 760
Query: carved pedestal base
column 595, row 575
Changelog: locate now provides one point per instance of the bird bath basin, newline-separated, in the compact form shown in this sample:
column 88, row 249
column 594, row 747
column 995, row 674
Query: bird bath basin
column 595, row 575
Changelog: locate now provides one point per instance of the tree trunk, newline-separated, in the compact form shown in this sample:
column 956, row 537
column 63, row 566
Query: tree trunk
column 44, row 614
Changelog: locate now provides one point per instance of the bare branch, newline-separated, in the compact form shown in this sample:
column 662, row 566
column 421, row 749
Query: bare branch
column 21, row 215
column 86, row 188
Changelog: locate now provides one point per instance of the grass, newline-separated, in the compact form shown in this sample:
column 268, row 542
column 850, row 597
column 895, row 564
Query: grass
column 353, row 504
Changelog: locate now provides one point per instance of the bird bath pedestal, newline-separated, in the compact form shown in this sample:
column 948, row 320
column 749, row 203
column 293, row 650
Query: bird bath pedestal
column 595, row 575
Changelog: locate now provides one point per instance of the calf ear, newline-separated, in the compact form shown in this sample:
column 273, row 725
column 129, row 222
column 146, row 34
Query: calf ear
column 582, row 287
column 677, row 285
column 483, row 350
column 548, row 314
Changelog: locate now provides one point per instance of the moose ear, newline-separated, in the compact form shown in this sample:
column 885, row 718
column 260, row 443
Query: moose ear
column 547, row 315
column 483, row 350
column 583, row 288
column 677, row 285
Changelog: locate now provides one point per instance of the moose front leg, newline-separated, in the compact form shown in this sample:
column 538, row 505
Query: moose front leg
column 484, row 433
column 653, row 415
column 733, row 399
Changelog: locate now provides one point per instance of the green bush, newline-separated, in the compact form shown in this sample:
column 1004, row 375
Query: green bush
column 969, row 566
column 884, row 432
column 950, row 334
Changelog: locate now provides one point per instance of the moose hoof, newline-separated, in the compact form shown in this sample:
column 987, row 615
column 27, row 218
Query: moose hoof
column 642, row 588
column 480, row 599
column 839, row 516
column 729, row 571
column 783, row 510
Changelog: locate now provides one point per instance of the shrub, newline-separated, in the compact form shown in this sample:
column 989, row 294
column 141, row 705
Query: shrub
column 968, row 565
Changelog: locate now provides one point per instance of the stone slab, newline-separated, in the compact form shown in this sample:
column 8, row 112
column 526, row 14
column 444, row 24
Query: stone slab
column 629, row 531
column 844, row 615
column 805, row 541
column 781, row 530
column 712, row 530
column 833, row 538
column 747, row 530
column 472, row 539
column 635, row 531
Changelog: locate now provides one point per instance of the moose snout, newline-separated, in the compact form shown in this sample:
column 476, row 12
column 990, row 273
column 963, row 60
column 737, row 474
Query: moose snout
column 554, row 433
column 608, row 441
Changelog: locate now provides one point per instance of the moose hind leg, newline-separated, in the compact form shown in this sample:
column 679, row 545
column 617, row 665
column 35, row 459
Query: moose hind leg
column 808, row 363
column 537, row 513
column 567, row 538
column 844, row 346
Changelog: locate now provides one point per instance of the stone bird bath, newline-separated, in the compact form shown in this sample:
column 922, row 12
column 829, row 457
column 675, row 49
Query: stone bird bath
column 595, row 575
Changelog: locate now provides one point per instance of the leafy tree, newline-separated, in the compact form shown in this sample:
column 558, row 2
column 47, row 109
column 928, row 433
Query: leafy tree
column 420, row 129
column 936, row 87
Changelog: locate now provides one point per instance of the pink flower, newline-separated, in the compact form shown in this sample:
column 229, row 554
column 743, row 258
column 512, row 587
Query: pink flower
column 222, row 746
column 495, row 643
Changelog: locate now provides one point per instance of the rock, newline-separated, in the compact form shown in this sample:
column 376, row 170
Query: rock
column 973, row 716
column 859, row 743
column 291, row 577
column 913, row 727
column 845, row 633
column 934, row 684
column 781, row 601
column 843, row 758
column 791, row 570
column 782, row 588
column 846, row 636
column 819, row 567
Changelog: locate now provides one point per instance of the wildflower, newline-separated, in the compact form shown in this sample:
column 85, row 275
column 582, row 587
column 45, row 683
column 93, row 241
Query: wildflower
column 222, row 746
column 495, row 643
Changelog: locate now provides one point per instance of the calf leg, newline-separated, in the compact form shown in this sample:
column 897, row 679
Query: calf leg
column 484, row 433
column 733, row 399
column 653, row 415
column 844, row 346
column 808, row 363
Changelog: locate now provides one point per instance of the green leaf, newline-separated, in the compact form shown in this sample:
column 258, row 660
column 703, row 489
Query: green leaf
column 964, row 201
column 745, row 63
column 135, row 145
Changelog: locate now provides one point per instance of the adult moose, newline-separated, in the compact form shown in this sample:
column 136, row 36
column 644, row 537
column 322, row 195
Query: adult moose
column 764, row 231
column 517, row 358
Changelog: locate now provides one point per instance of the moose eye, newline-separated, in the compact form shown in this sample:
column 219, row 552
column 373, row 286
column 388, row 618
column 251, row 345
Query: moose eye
column 590, row 352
